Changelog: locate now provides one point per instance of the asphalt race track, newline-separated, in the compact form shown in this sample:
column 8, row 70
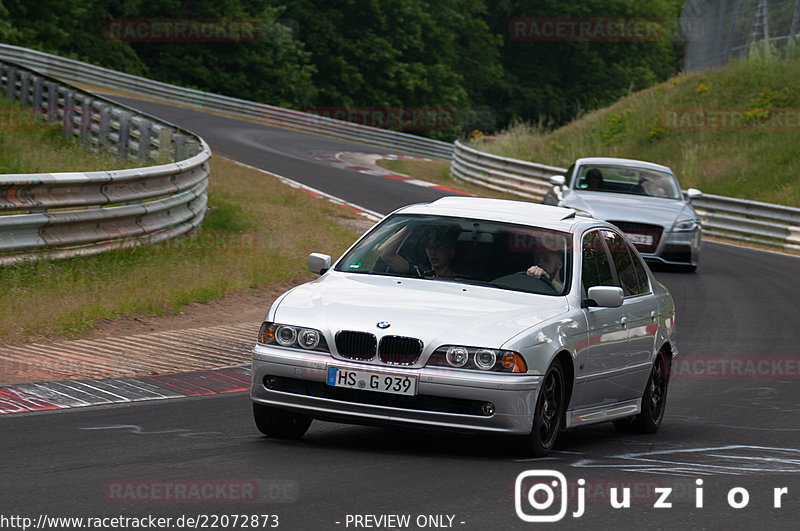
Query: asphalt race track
column 732, row 421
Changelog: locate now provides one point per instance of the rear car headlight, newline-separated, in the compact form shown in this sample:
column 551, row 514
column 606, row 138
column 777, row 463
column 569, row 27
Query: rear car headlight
column 475, row 358
column 686, row 225
column 290, row 336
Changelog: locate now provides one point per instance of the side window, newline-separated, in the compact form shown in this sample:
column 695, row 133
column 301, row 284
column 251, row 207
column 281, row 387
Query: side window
column 568, row 173
column 624, row 263
column 596, row 267
column 643, row 281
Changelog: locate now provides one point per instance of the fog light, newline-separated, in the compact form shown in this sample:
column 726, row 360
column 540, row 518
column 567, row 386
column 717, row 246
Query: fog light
column 487, row 408
column 271, row 382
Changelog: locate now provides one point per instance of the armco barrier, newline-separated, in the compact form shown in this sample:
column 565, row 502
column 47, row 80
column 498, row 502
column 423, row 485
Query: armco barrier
column 735, row 219
column 79, row 72
column 58, row 215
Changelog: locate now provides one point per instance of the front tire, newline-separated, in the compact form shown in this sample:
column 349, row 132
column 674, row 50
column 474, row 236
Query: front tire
column 280, row 424
column 549, row 412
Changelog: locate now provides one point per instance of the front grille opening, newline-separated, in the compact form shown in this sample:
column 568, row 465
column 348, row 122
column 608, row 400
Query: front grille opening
column 398, row 350
column 356, row 345
column 645, row 237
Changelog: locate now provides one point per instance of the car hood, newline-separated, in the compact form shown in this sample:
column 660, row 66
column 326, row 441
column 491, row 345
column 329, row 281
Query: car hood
column 436, row 312
column 624, row 207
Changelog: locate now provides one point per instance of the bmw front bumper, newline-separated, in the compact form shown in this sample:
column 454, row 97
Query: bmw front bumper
column 445, row 399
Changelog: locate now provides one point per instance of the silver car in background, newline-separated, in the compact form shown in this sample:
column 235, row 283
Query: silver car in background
column 471, row 314
column 641, row 198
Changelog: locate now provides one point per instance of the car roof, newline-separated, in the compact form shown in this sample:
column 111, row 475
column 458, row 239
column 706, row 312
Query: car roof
column 503, row 210
column 622, row 162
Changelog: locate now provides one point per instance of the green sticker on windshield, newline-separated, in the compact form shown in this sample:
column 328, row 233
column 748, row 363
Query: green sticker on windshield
column 355, row 265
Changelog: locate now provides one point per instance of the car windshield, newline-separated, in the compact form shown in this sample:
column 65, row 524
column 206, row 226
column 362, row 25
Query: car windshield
column 502, row 255
column 627, row 180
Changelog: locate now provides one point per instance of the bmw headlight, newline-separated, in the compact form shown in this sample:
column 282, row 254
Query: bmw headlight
column 292, row 337
column 686, row 225
column 480, row 359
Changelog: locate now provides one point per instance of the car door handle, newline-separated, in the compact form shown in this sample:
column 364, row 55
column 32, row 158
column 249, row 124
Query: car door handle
column 653, row 316
column 624, row 322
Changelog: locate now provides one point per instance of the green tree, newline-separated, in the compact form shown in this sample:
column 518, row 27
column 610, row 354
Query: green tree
column 558, row 79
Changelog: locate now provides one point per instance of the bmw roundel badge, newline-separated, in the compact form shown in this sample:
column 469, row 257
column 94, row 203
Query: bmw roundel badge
column 384, row 324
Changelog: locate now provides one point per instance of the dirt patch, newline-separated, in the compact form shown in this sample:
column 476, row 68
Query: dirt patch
column 235, row 308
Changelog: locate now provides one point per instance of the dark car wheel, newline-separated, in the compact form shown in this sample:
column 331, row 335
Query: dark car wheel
column 549, row 412
column 280, row 424
column 654, row 402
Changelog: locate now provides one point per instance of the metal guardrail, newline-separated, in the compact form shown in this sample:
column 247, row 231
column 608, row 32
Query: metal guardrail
column 79, row 72
column 58, row 215
column 725, row 217
column 519, row 177
column 722, row 216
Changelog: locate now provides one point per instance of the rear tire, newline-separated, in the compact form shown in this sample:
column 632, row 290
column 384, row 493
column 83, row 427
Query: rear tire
column 654, row 402
column 548, row 414
column 279, row 423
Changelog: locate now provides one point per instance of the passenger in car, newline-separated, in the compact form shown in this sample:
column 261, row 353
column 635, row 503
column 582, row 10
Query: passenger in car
column 440, row 249
column 440, row 246
column 547, row 265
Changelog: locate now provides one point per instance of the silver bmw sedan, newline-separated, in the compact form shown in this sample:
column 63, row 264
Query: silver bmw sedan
column 471, row 314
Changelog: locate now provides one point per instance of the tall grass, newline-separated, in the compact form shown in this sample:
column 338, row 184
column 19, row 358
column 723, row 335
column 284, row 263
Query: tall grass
column 746, row 161
column 30, row 145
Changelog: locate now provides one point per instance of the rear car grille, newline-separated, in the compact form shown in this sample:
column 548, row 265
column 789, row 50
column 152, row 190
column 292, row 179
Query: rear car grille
column 398, row 350
column 440, row 404
column 356, row 345
column 645, row 237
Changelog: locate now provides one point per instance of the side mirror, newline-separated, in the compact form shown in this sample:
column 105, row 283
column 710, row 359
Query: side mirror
column 693, row 193
column 605, row 296
column 558, row 180
column 319, row 263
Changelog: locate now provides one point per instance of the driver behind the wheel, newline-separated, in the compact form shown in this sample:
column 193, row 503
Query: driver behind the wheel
column 547, row 265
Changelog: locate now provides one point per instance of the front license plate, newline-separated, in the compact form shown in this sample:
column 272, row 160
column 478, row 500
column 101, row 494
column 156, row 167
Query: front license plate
column 640, row 239
column 372, row 381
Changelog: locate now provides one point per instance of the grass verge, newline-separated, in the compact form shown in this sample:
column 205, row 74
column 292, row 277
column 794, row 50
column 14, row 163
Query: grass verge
column 29, row 145
column 257, row 233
